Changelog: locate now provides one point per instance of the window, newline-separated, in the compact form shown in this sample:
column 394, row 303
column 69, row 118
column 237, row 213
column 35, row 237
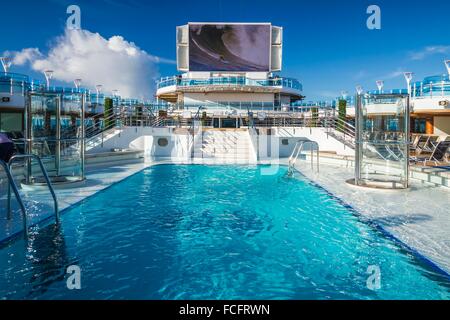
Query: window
column 11, row 121
column 420, row 126
column 163, row 142
column 285, row 142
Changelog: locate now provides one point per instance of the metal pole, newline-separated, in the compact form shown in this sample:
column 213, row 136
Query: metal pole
column 83, row 136
column 58, row 135
column 28, row 136
column 407, row 129
column 8, row 204
column 318, row 159
column 358, row 139
column 12, row 185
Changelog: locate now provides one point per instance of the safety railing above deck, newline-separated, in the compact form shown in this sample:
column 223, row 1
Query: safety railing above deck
column 230, row 81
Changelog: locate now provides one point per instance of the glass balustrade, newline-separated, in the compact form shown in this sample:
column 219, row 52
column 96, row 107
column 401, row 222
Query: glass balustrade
column 230, row 81
column 382, row 143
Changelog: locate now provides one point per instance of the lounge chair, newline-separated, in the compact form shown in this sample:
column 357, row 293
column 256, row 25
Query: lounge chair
column 432, row 143
column 438, row 155
column 420, row 145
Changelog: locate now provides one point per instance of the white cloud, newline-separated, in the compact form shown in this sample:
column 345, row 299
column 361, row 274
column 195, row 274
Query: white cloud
column 428, row 51
column 24, row 56
column 115, row 62
column 394, row 74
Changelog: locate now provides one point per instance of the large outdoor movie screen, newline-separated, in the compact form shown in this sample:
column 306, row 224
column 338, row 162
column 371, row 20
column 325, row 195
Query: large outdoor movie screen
column 229, row 47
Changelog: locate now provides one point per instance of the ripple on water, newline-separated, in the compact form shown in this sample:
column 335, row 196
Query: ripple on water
column 213, row 232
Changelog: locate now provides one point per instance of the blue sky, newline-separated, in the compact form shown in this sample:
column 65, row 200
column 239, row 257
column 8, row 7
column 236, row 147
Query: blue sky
column 327, row 45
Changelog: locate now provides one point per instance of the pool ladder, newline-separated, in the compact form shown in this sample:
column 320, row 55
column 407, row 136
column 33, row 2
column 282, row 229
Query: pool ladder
column 299, row 147
column 12, row 185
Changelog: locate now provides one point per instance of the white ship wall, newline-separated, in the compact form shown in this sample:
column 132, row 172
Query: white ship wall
column 179, row 145
column 205, row 98
column 16, row 101
column 441, row 126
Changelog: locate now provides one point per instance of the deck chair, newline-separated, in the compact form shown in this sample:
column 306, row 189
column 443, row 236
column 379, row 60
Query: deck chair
column 420, row 146
column 415, row 138
column 431, row 144
column 438, row 155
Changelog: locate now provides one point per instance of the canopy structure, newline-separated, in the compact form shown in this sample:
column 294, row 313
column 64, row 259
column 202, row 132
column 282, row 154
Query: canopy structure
column 382, row 141
column 55, row 131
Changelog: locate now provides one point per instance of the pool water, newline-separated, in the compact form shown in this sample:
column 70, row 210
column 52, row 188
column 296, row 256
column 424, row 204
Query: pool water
column 214, row 232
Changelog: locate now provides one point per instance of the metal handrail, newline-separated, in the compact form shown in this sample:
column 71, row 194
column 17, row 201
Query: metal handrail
column 298, row 150
column 94, row 128
column 12, row 184
column 47, row 180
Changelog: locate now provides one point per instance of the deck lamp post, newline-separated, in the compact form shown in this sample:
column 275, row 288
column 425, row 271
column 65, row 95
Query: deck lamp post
column 77, row 83
column 408, row 77
column 359, row 90
column 98, row 89
column 358, row 133
column 380, row 85
column 6, row 63
column 116, row 98
column 447, row 65
column 48, row 76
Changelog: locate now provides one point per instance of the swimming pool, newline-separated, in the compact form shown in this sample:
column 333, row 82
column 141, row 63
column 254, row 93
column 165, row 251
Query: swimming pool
column 214, row 232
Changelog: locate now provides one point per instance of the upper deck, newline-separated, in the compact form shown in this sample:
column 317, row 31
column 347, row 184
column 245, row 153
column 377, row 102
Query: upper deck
column 168, row 88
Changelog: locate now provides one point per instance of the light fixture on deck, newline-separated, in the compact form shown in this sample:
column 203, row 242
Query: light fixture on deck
column 48, row 76
column 77, row 83
column 408, row 78
column 447, row 65
column 98, row 89
column 380, row 85
column 116, row 97
column 6, row 63
column 359, row 89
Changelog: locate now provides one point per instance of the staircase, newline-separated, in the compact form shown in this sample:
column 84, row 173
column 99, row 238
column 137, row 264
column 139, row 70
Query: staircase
column 98, row 139
column 341, row 130
column 228, row 146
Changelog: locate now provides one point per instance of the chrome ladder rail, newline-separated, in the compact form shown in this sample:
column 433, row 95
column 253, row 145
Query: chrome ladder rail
column 299, row 146
column 13, row 185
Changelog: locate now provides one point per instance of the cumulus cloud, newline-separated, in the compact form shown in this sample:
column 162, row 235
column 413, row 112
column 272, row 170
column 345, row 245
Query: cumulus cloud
column 115, row 63
column 428, row 51
column 394, row 74
column 24, row 56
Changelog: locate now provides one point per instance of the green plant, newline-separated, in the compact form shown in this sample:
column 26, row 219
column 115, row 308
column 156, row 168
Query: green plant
column 109, row 106
column 204, row 117
column 342, row 114
column 314, row 117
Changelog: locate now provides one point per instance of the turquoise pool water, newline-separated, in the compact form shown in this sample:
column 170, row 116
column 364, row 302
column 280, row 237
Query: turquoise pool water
column 213, row 232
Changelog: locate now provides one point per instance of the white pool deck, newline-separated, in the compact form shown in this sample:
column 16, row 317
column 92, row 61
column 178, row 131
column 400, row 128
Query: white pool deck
column 419, row 217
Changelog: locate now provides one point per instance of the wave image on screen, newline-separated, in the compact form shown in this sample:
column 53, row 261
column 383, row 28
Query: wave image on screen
column 229, row 47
